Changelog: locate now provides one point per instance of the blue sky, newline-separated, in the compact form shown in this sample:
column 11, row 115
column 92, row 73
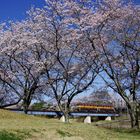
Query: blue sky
column 16, row 9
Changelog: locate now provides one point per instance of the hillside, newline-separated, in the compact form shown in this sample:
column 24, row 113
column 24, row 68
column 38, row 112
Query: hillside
column 5, row 114
column 15, row 126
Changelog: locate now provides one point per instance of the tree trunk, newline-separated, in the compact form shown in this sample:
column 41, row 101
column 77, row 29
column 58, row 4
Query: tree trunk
column 65, row 111
column 26, row 104
column 25, row 109
column 26, row 101
column 66, row 115
column 134, row 115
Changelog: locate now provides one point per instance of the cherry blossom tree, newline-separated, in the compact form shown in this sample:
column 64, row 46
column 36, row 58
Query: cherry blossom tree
column 20, row 61
column 113, row 30
column 121, row 58
column 72, row 72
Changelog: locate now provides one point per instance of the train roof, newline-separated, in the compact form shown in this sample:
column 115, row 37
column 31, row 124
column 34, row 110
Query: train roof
column 93, row 104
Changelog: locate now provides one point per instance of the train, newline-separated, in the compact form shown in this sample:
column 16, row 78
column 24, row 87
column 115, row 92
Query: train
column 86, row 107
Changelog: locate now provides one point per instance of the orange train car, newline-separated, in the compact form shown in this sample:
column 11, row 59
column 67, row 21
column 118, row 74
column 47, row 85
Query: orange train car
column 95, row 108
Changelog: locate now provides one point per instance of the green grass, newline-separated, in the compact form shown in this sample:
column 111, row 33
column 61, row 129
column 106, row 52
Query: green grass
column 15, row 126
column 4, row 135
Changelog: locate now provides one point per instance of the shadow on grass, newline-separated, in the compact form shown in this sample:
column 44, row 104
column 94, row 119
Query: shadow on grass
column 18, row 135
column 63, row 133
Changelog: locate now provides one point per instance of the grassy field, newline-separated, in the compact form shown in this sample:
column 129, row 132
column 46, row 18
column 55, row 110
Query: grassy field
column 22, row 127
